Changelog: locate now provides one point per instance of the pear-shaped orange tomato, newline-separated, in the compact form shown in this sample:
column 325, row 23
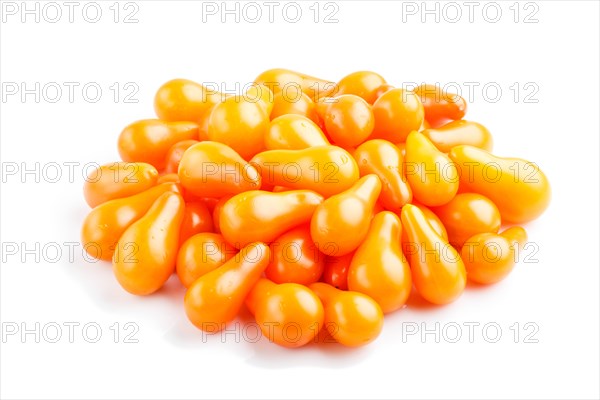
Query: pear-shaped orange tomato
column 341, row 222
column 201, row 254
column 146, row 252
column 460, row 132
column 364, row 84
column 294, row 132
column 397, row 113
column 184, row 100
column 439, row 105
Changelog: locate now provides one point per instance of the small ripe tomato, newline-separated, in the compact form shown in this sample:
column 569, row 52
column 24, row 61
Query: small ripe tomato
column 184, row 100
column 439, row 105
column 348, row 120
column 397, row 112
column 175, row 154
column 336, row 271
column 294, row 102
column 364, row 84
column 295, row 258
column 196, row 219
column 201, row 254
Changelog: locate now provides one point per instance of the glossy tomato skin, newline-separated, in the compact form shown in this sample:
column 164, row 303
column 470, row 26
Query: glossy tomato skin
column 212, row 169
column 105, row 224
column 348, row 120
column 364, row 84
column 196, row 219
column 468, row 214
column 351, row 318
column 434, row 221
column 490, row 257
column 146, row 252
column 295, row 258
column 296, row 103
column 519, row 188
column 175, row 154
column 437, row 269
column 439, row 105
column 117, row 180
column 336, row 269
column 279, row 79
column 239, row 124
column 327, row 170
column 184, row 100
column 432, row 175
column 341, row 222
column 458, row 133
column 200, row 254
column 397, row 112
column 288, row 314
column 385, row 160
column 215, row 298
column 149, row 140
column 379, row 268
column 258, row 215
column 294, row 132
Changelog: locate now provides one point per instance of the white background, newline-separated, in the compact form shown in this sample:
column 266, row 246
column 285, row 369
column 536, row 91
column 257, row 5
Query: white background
column 558, row 55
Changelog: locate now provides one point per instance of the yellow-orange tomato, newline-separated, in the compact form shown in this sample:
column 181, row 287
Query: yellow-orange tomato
column 294, row 102
column 383, row 159
column 259, row 215
column 149, row 140
column 351, row 318
column 288, row 314
column 295, row 258
column 146, row 252
column 517, row 187
column 432, row 175
column 460, row 132
column 439, row 105
column 216, row 213
column 336, row 269
column 436, row 267
column 105, row 224
column 196, row 219
column 432, row 219
column 382, row 89
column 327, row 170
column 213, row 169
column 340, row 223
column 215, row 298
column 364, row 84
column 468, row 214
column 294, row 132
column 490, row 257
column 201, row 254
column 397, row 113
column 348, row 120
column 379, row 268
column 118, row 180
column 279, row 79
column 240, row 124
column 184, row 100
column 175, row 154
column 262, row 95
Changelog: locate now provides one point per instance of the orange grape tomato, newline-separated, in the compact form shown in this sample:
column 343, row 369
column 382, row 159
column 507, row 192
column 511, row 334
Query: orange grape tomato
column 212, row 169
column 294, row 102
column 216, row 213
column 437, row 269
column 352, row 318
column 215, row 298
column 175, row 154
column 258, row 215
column 295, row 258
column 379, row 268
column 335, row 272
column 241, row 125
column 381, row 90
column 201, row 254
column 340, row 224
column 117, row 180
column 149, row 140
column 439, row 105
column 460, row 132
column 385, row 160
column 262, row 95
column 397, row 113
column 466, row 215
column 279, row 79
column 519, row 188
column 348, row 120
column 364, row 84
column 196, row 219
column 327, row 170
column 288, row 314
column 293, row 132
column 433, row 220
column 432, row 175
column 105, row 224
column 490, row 257
column 184, row 100
column 147, row 251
